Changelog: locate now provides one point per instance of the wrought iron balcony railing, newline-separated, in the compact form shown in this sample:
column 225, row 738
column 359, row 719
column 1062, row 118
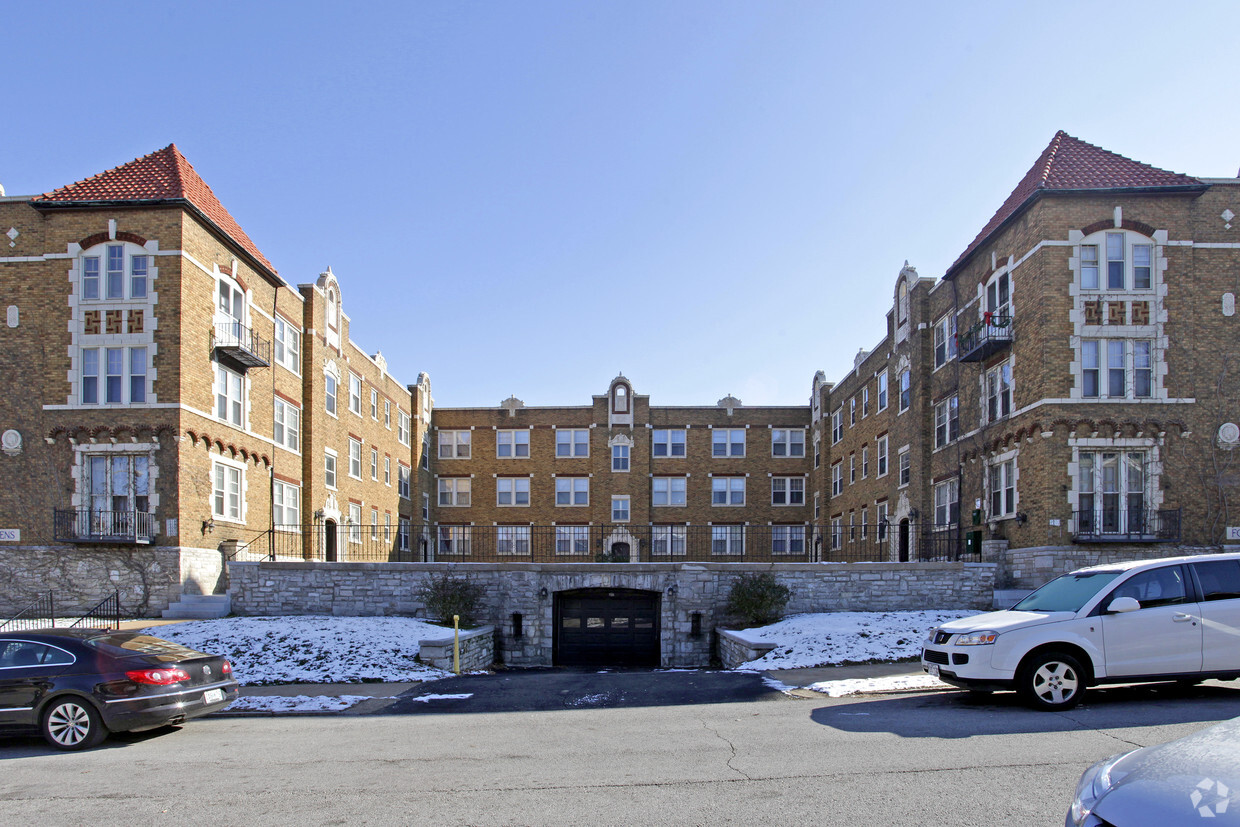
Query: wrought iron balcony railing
column 242, row 345
column 1122, row 525
column 85, row 525
column 986, row 338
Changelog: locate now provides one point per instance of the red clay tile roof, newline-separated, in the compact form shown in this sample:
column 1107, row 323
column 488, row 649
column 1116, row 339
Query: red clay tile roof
column 164, row 175
column 1070, row 164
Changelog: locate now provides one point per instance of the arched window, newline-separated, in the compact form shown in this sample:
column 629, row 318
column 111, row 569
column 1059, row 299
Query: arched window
column 621, row 396
column 902, row 303
column 331, row 309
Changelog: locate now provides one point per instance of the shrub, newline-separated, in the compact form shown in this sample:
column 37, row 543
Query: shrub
column 758, row 598
column 445, row 596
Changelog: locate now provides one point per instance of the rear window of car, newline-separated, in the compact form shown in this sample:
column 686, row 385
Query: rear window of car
column 122, row 645
column 1067, row 593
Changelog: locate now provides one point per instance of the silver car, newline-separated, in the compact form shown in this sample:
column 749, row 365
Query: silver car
column 1192, row 780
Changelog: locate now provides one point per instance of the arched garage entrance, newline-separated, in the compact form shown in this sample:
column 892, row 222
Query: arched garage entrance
column 606, row 627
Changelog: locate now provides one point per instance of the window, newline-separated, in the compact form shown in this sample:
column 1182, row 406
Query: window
column 668, row 540
column 355, row 393
column 285, row 504
column 226, row 492
column 998, row 296
column 837, row 479
column 329, row 393
column 787, row 491
column 112, row 279
column 852, row 412
column 947, row 503
column 426, row 451
column 667, row 491
column 999, row 392
column 727, row 540
column 1115, row 261
column 454, row 444
column 865, row 522
column 454, row 492
column 788, row 443
column 881, row 445
column 228, row 401
column 387, row 414
column 231, row 303
column 619, row 509
column 137, row 374
column 852, row 468
column 403, row 473
column 402, row 428
column 124, row 378
column 90, row 376
column 90, row 277
column 1142, row 373
column 510, row 444
column 817, row 506
column 817, row 451
column 513, row 491
column 902, row 303
column 865, row 401
column 906, row 467
column 119, row 485
column 1116, row 384
column 837, row 425
column 572, row 442
column 787, row 539
column 882, row 391
column 355, row 458
column 1089, row 368
column 287, row 427
column 727, row 491
column 727, row 442
column 865, row 461
column 1089, row 266
column 946, row 421
column 355, row 523
column 945, row 340
column 374, row 404
column 454, row 539
column 572, row 539
column 1003, row 488
column 402, row 534
column 1111, row 491
column 619, row 457
column 426, row 508
column 837, row 533
column 668, row 443
column 880, row 519
column 572, row 491
column 329, row 468
column 621, row 397
column 374, row 464
column 288, row 345
column 512, row 539
column 906, row 395
column 1142, row 266
column 387, row 470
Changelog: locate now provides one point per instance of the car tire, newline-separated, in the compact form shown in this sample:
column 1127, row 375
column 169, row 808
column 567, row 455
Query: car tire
column 1051, row 681
column 72, row 723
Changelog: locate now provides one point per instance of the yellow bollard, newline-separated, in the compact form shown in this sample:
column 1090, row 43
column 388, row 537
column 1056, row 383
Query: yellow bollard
column 456, row 644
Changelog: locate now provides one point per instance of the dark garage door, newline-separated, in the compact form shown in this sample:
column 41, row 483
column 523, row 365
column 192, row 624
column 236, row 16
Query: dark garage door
column 607, row 627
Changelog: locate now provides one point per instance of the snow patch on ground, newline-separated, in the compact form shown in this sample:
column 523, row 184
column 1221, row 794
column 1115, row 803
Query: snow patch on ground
column 296, row 703
column 864, row 686
column 428, row 698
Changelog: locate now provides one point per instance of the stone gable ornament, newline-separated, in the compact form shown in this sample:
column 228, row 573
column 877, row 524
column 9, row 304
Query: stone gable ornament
column 1228, row 435
column 11, row 443
column 512, row 405
column 730, row 402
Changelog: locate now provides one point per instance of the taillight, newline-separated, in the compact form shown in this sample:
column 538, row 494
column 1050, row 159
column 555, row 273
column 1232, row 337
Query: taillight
column 227, row 668
column 159, row 677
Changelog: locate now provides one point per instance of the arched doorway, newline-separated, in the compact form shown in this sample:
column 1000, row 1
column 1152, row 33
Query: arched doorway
column 619, row 553
column 329, row 541
column 904, row 539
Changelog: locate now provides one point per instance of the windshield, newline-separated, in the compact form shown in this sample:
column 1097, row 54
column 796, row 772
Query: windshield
column 123, row 644
column 1067, row 593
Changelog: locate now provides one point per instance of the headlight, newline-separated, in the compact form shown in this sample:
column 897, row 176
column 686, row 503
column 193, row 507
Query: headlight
column 977, row 638
column 1094, row 784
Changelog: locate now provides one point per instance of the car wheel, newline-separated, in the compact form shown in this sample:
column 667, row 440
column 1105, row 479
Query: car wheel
column 71, row 723
column 1052, row 681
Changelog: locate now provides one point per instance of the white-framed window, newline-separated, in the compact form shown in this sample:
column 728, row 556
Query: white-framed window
column 852, row 412
column 124, row 375
column 787, row 442
column 512, row 491
column 865, row 461
column 727, row 442
column 1003, row 488
column 947, row 421
column 572, row 491
column 619, row 509
column 285, row 504
column 852, row 469
column 837, row 425
column 426, row 451
column 355, row 458
column 787, row 491
column 355, row 393
column 454, row 492
column 510, row 444
column 727, row 540
column 402, row 534
column 999, row 296
column 817, row 450
column 387, row 470
column 620, row 458
column 727, row 491
column 837, row 479
column 837, row 532
column 329, row 393
column 881, row 455
column 906, row 390
column 787, row 539
column 668, row 443
column 944, row 340
column 329, row 468
column 880, row 518
column 882, row 391
column 230, row 303
column 947, row 503
column 1124, row 358
column 572, row 539
column 287, row 345
column 865, row 522
column 402, row 428
column 117, row 483
column 906, row 468
column 103, row 273
column 426, row 508
column 227, row 487
column 667, row 491
column 999, row 392
column 865, row 401
column 403, row 475
column 387, row 414
column 355, row 523
column 229, row 395
column 287, row 426
column 374, row 404
column 1120, row 248
column 817, row 506
column 374, row 464
column 454, row 444
column 1111, row 491
column 668, row 540
column 454, row 539
column 572, row 442
column 512, row 539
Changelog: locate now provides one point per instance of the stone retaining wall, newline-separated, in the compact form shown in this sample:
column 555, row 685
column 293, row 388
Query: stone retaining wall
column 734, row 649
column 684, row 590
column 1029, row 568
column 477, row 650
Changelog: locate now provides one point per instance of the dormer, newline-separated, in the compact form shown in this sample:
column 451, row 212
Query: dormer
column 332, row 311
column 620, row 402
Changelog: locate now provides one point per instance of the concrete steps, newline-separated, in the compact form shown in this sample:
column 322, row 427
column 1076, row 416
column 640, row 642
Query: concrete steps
column 199, row 607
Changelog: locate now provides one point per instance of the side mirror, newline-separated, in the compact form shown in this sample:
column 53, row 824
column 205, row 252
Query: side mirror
column 1123, row 604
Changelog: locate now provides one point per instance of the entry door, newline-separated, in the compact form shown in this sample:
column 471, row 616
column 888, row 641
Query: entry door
column 1163, row 637
column 607, row 627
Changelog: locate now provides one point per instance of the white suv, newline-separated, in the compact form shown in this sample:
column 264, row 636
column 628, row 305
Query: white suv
column 1177, row 618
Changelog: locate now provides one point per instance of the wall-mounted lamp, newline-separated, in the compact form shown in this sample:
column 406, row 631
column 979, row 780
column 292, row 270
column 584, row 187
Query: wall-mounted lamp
column 1021, row 517
column 318, row 515
column 208, row 526
column 672, row 590
column 542, row 593
column 913, row 513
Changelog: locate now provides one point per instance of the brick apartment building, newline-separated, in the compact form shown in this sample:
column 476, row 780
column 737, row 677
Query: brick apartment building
column 1069, row 379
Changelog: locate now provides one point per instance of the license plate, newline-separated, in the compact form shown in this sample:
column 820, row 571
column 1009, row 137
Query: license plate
column 933, row 669
column 213, row 696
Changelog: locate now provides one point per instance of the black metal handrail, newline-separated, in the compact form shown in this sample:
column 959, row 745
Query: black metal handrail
column 242, row 344
column 1125, row 525
column 107, row 610
column 85, row 525
column 39, row 614
column 987, row 336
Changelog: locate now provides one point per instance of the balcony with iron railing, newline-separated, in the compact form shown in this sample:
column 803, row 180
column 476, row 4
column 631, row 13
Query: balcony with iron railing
column 84, row 525
column 1121, row 525
column 986, row 338
column 241, row 345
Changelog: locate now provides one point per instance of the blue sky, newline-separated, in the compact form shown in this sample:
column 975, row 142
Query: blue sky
column 526, row 198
